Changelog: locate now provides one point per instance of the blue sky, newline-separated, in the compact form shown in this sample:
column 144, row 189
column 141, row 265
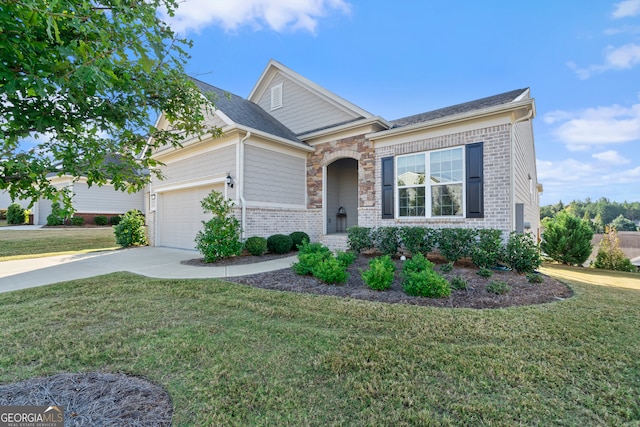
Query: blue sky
column 394, row 59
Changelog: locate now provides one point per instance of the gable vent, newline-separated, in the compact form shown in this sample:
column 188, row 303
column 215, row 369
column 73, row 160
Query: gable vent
column 276, row 97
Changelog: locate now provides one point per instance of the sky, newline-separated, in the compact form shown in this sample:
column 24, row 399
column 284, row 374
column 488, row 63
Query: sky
column 580, row 59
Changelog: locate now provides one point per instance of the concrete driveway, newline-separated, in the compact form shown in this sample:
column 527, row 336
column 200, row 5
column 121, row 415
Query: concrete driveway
column 147, row 261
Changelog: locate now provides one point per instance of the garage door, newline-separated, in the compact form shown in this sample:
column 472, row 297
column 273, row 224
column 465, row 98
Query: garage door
column 180, row 216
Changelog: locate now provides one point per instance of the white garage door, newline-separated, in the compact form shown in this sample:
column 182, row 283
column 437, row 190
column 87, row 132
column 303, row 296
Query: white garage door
column 180, row 216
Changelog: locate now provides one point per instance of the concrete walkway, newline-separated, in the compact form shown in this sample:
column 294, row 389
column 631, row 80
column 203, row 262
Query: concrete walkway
column 147, row 261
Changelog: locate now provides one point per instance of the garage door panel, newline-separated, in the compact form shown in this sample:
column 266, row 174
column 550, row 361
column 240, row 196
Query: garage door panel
column 180, row 216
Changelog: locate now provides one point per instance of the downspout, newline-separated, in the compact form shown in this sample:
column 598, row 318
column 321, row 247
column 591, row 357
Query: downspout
column 243, row 203
column 513, row 174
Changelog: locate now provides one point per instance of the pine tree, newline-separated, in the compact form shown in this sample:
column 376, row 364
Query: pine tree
column 567, row 239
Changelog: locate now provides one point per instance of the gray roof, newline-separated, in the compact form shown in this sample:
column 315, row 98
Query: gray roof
column 246, row 113
column 478, row 104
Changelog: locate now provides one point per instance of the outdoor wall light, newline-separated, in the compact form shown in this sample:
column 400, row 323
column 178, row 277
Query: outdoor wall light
column 229, row 181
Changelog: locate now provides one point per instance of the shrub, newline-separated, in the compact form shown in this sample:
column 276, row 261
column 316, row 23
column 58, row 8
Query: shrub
column 101, row 220
column 386, row 240
column 498, row 287
column 279, row 243
column 567, row 239
column 346, row 258
column 488, row 249
column 256, row 245
column 456, row 243
column 115, row 220
column 459, row 283
column 379, row 276
column 359, row 238
column 485, row 272
column 521, row 253
column 130, row 231
column 310, row 255
column 3, row 214
column 447, row 267
column 77, row 220
column 220, row 237
column 621, row 223
column 427, row 283
column 416, row 264
column 330, row 271
column 16, row 214
column 53, row 220
column 535, row 278
column 417, row 239
column 610, row 256
column 297, row 237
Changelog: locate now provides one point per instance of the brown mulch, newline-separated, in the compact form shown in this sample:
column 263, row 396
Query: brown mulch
column 476, row 296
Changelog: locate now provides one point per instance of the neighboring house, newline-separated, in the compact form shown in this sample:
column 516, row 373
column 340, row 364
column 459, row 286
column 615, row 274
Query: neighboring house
column 301, row 158
column 628, row 242
column 88, row 202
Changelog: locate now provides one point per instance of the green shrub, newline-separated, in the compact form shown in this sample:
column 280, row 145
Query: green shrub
column 309, row 256
column 416, row 264
column 220, row 237
column 386, row 240
column 101, row 220
column 256, row 245
column 521, row 253
column 77, row 220
column 330, row 271
column 130, row 231
column 16, row 214
column 3, row 214
column 279, row 243
column 346, row 258
column 417, row 239
column 610, row 256
column 115, row 220
column 297, row 237
column 534, row 278
column 485, row 272
column 459, row 283
column 359, row 239
column 498, row 287
column 427, row 283
column 446, row 268
column 456, row 243
column 56, row 216
column 567, row 239
column 379, row 276
column 488, row 249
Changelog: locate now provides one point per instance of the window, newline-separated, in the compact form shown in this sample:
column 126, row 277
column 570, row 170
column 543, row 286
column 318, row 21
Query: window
column 441, row 195
column 276, row 97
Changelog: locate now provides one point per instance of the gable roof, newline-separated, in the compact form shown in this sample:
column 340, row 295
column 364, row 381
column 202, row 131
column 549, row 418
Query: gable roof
column 466, row 107
column 246, row 113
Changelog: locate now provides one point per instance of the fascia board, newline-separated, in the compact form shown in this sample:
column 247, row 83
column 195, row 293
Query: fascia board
column 351, row 125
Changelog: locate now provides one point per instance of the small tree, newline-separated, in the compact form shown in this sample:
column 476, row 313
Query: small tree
column 130, row 231
column 567, row 239
column 610, row 256
column 220, row 237
column 15, row 214
column 623, row 224
column 598, row 224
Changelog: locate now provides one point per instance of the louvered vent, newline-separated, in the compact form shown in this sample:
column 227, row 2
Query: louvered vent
column 276, row 97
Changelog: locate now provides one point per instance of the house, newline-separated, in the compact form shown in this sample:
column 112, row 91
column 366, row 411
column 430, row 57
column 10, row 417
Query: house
column 88, row 202
column 295, row 156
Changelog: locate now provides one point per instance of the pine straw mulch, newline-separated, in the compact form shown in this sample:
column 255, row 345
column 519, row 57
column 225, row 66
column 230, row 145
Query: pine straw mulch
column 475, row 296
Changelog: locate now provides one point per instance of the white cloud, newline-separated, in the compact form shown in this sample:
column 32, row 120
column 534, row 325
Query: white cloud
column 615, row 58
column 278, row 15
column 565, row 171
column 630, row 176
column 626, row 8
column 595, row 126
column 612, row 157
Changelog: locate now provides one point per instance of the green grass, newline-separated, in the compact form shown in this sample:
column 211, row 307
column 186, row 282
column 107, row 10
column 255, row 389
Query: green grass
column 19, row 244
column 235, row 355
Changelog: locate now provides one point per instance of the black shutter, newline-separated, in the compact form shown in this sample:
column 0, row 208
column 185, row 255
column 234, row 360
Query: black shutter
column 475, row 197
column 388, row 177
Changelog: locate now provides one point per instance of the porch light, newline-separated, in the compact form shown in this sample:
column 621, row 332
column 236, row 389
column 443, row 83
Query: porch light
column 229, row 181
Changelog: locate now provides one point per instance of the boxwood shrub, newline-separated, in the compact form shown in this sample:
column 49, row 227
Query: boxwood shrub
column 298, row 237
column 279, row 243
column 256, row 245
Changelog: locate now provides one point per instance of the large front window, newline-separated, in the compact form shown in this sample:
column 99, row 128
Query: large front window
column 442, row 194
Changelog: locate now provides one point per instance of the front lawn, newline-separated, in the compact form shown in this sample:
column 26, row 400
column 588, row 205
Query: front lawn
column 16, row 244
column 236, row 355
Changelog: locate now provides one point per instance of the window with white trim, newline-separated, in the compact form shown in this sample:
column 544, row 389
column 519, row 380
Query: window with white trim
column 442, row 195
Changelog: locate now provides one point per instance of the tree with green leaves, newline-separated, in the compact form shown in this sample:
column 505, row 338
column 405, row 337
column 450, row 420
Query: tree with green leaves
column 81, row 84
column 220, row 236
column 567, row 239
column 621, row 223
column 610, row 256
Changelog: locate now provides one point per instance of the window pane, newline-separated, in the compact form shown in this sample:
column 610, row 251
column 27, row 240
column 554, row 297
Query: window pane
column 446, row 166
column 446, row 200
column 411, row 170
column 411, row 201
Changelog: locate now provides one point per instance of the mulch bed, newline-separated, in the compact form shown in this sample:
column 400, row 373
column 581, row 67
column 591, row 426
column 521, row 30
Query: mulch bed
column 476, row 296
